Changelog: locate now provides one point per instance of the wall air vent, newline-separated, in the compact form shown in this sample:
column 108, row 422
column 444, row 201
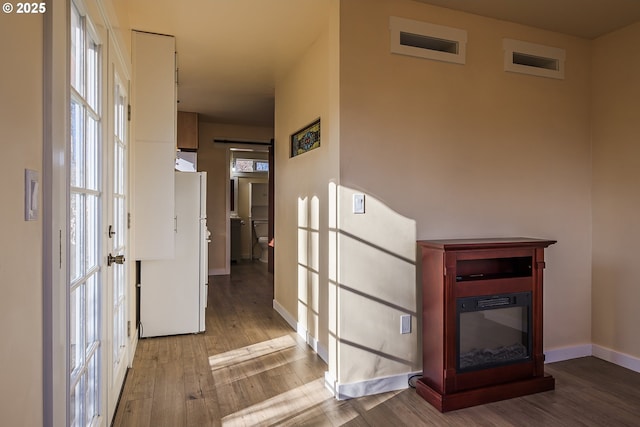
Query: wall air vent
column 430, row 43
column 534, row 59
column 424, row 40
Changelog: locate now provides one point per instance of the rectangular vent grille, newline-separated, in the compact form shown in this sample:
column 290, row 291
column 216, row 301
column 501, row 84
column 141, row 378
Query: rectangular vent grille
column 430, row 43
column 425, row 40
column 535, row 61
column 529, row 58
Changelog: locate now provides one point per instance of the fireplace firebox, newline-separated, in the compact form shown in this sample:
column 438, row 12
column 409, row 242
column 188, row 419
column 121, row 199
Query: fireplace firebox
column 482, row 321
column 493, row 330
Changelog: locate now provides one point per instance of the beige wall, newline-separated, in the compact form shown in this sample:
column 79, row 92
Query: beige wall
column 119, row 19
column 309, row 91
column 439, row 150
column 466, row 151
column 214, row 159
column 21, row 255
column 377, row 284
column 616, row 200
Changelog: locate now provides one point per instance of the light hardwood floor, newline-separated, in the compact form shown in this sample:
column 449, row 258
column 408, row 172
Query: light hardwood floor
column 251, row 369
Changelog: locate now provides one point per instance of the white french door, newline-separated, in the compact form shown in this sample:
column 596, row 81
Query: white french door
column 98, row 242
column 85, row 263
column 117, row 247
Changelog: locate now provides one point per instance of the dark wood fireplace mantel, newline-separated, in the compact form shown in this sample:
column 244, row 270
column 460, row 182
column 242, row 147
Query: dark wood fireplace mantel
column 473, row 289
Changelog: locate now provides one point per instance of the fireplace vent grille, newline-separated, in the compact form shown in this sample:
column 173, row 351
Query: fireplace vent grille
column 493, row 302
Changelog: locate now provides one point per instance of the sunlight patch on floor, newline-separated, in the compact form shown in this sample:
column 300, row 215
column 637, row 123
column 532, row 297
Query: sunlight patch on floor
column 370, row 402
column 253, row 351
column 244, row 370
column 281, row 407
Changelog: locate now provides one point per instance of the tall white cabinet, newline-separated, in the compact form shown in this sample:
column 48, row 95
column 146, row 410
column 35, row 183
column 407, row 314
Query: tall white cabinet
column 153, row 110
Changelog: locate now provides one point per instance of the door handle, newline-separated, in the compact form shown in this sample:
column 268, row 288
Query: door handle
column 118, row 259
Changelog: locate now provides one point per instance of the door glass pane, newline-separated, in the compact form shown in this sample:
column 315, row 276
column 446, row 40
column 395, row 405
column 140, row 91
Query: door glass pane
column 91, row 396
column 117, row 324
column 92, row 169
column 77, row 145
column 76, row 329
column 92, row 232
column 93, row 63
column 92, row 301
column 75, row 413
column 120, row 172
column 118, row 119
column 118, row 225
column 76, row 243
column 77, row 50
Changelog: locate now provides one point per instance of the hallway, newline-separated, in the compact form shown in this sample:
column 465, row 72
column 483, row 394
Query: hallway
column 248, row 368
column 251, row 369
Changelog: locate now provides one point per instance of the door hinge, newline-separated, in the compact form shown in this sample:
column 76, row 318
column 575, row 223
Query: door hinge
column 129, row 112
column 128, row 220
column 128, row 328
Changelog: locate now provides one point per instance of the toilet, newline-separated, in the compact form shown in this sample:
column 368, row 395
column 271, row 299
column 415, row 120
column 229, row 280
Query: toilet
column 261, row 230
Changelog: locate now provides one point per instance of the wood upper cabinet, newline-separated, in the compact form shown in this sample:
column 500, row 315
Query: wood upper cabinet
column 187, row 130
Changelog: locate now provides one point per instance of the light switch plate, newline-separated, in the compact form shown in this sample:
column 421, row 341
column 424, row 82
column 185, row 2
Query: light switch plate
column 405, row 324
column 31, row 194
column 358, row 203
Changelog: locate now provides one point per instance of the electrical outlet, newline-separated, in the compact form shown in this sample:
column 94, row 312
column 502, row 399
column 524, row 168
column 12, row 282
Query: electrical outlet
column 405, row 324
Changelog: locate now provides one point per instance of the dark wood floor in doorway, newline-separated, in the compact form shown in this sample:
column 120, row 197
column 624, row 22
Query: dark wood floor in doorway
column 251, row 369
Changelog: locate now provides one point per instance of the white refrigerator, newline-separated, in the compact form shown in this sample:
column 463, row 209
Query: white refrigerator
column 173, row 292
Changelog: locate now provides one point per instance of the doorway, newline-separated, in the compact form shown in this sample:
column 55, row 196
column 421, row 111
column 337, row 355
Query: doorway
column 251, row 204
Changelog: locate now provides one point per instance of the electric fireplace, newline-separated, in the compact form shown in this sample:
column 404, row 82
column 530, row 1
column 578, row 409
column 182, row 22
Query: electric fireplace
column 482, row 321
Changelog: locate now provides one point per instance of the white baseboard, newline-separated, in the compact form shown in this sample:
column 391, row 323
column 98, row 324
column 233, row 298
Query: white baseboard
column 330, row 382
column 302, row 332
column 566, row 353
column 368, row 387
column 285, row 315
column 350, row 390
column 218, row 272
column 318, row 348
column 400, row 382
column 133, row 346
column 620, row 359
column 615, row 357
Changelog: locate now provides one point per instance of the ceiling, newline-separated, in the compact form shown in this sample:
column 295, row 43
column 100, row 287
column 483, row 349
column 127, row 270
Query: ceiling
column 582, row 18
column 230, row 52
